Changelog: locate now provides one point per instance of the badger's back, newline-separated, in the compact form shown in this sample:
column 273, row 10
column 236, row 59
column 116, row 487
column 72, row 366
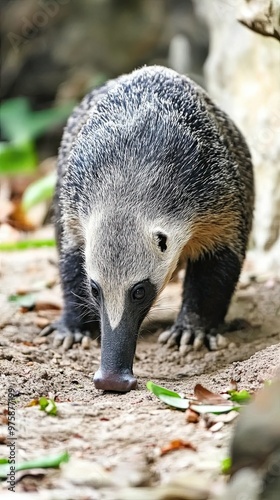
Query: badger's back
column 154, row 139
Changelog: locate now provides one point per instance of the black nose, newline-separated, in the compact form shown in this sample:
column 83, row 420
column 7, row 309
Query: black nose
column 120, row 382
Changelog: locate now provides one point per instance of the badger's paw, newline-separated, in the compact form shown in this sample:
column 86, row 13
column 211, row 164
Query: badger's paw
column 66, row 336
column 192, row 338
column 189, row 337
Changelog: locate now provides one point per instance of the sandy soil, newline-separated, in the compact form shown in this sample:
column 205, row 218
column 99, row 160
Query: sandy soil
column 115, row 441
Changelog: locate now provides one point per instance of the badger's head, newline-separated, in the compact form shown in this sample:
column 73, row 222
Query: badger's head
column 128, row 259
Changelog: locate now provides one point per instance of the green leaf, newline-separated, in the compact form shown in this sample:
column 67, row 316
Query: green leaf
column 48, row 406
column 20, row 124
column 226, row 465
column 173, row 399
column 158, row 390
column 25, row 244
column 40, row 463
column 40, row 121
column 27, row 301
column 38, row 191
column 179, row 403
column 217, row 409
column 4, row 461
column 13, row 117
column 239, row 396
column 17, row 158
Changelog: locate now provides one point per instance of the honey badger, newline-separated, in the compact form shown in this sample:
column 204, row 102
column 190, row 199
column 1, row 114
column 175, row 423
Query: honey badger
column 149, row 170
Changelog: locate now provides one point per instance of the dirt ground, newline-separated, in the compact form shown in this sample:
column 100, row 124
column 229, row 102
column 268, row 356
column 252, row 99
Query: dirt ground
column 115, row 441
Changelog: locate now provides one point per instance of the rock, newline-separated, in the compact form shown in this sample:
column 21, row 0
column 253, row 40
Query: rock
column 261, row 16
column 245, row 484
column 245, row 83
column 255, row 448
column 86, row 473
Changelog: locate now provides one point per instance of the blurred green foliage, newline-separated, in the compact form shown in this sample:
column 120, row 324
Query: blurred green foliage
column 21, row 126
column 38, row 191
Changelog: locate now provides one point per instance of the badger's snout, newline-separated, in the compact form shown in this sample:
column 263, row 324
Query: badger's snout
column 121, row 316
column 118, row 347
column 121, row 382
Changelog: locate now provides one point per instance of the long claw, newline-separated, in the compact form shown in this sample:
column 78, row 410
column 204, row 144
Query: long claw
column 198, row 341
column 186, row 338
column 57, row 341
column 78, row 336
column 222, row 341
column 47, row 330
column 65, row 337
column 185, row 349
column 212, row 342
column 172, row 341
column 68, row 342
column 164, row 336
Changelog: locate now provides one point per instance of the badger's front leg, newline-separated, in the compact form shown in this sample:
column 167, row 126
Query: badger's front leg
column 208, row 287
column 78, row 318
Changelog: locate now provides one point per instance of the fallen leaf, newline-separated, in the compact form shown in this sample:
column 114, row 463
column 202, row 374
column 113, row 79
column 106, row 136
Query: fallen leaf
column 25, row 302
column 179, row 403
column 48, row 300
column 240, row 396
column 177, row 444
column 33, row 402
column 19, row 218
column 42, row 462
column 174, row 400
column 208, row 397
column 10, row 246
column 48, row 406
column 159, row 390
column 226, row 465
column 217, row 409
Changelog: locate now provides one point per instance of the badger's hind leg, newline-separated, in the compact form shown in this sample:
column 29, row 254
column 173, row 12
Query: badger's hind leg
column 208, row 287
column 78, row 318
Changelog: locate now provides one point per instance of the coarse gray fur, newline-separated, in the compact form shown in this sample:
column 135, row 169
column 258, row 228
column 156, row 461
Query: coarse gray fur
column 146, row 154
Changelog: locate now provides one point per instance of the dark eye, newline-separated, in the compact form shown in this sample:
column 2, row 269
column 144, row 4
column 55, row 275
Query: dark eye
column 94, row 289
column 162, row 239
column 138, row 292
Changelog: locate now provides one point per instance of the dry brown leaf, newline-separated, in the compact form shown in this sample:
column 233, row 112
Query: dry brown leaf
column 19, row 219
column 33, row 402
column 176, row 444
column 48, row 300
column 208, row 397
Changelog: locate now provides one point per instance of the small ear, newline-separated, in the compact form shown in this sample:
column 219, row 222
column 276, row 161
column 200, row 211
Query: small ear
column 161, row 241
